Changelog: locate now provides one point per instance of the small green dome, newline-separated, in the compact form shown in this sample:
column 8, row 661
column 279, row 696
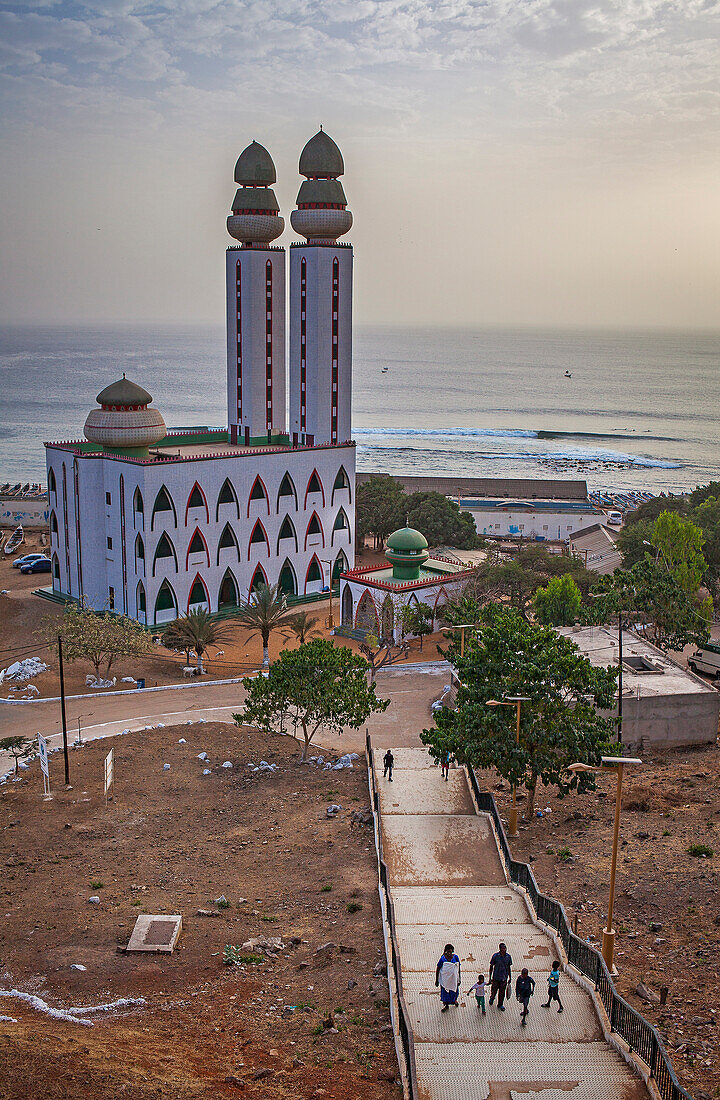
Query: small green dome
column 407, row 539
column 255, row 166
column 125, row 393
column 321, row 158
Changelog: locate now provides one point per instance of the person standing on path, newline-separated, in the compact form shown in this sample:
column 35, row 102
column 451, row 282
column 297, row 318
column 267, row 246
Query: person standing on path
column 447, row 976
column 524, row 989
column 554, row 986
column 479, row 990
column 388, row 761
column 500, row 975
column 445, row 765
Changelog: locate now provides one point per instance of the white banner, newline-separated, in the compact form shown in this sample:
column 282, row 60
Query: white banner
column 108, row 771
column 44, row 764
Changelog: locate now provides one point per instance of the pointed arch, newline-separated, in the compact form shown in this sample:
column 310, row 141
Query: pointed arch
column 341, row 524
column 140, row 602
column 139, row 554
column 198, row 594
column 259, row 535
column 366, row 616
column 340, row 566
column 52, row 484
column 228, row 593
column 314, row 528
column 227, row 495
column 314, row 575
column 163, row 503
column 53, row 523
column 55, row 571
column 197, row 499
column 138, row 508
column 346, row 606
column 163, row 550
column 287, row 489
column 441, row 598
column 387, row 619
column 259, row 578
column 287, row 531
column 258, row 492
column 314, row 485
column 287, row 579
column 197, row 545
column 342, row 481
column 166, row 607
column 228, row 539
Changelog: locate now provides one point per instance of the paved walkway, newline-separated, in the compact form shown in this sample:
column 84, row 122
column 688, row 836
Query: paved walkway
column 448, row 886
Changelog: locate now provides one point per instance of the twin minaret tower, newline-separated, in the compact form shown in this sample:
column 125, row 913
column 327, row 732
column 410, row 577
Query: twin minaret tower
column 320, row 359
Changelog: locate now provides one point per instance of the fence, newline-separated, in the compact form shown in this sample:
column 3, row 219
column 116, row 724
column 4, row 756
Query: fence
column 406, row 1037
column 640, row 1036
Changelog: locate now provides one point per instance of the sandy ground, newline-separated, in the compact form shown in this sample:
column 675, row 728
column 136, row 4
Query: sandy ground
column 172, row 841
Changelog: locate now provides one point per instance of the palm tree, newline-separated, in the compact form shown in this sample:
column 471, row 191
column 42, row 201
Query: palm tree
column 198, row 630
column 303, row 626
column 267, row 612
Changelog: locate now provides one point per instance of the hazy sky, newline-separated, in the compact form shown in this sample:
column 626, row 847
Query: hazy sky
column 507, row 161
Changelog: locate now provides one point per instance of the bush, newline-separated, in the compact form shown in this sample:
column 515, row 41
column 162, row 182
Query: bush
column 354, row 907
column 701, row 850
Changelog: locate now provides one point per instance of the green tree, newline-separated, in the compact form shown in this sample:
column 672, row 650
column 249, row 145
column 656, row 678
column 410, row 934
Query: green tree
column 441, row 521
column 99, row 639
column 707, row 517
column 265, row 614
column 679, row 543
column 303, row 626
column 704, row 492
column 318, row 688
column 560, row 723
column 379, row 508
column 632, row 541
column 649, row 510
column 417, row 619
column 379, row 656
column 516, row 581
column 462, row 611
column 18, row 747
column 198, row 630
column 558, row 604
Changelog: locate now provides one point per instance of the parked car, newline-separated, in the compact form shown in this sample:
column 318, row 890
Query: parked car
column 615, row 518
column 26, row 559
column 40, row 565
column 706, row 660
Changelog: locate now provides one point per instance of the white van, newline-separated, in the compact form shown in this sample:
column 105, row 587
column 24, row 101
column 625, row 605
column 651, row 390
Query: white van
column 706, row 660
column 615, row 518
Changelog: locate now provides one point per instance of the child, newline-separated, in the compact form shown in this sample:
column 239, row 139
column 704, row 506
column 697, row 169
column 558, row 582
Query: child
column 445, row 765
column 524, row 989
column 553, row 986
column 479, row 990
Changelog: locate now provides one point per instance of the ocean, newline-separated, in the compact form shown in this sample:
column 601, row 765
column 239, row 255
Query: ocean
column 640, row 410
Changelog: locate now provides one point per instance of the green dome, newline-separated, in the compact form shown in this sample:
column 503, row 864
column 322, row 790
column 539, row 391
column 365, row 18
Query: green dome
column 407, row 539
column 125, row 393
column 255, row 166
column 321, row 158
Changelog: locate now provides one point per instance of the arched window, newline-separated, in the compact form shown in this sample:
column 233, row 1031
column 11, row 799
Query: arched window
column 53, row 523
column 198, row 595
column 165, row 604
column 259, row 579
column 163, row 503
column 341, row 524
column 257, row 493
column 340, row 566
column 366, row 616
column 163, row 551
column 56, row 571
column 287, row 580
column 140, row 600
column 196, row 500
column 314, row 576
column 342, row 481
column 197, row 545
column 227, row 495
column 228, row 594
column 314, row 536
column 346, row 605
column 52, row 485
column 258, row 536
column 228, row 541
column 314, row 485
column 139, row 555
column 388, row 620
column 287, row 489
column 138, row 508
column 287, row 531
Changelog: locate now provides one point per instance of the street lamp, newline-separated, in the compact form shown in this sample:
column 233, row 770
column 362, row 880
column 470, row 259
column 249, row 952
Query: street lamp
column 328, row 562
column 619, row 763
column 462, row 627
column 88, row 714
column 510, row 701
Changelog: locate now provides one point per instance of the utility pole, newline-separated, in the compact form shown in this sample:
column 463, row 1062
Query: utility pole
column 620, row 677
column 62, row 712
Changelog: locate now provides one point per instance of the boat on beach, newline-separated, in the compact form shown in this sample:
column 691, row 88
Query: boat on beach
column 16, row 539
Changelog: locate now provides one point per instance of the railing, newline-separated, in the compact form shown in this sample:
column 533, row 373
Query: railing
column 406, row 1036
column 641, row 1037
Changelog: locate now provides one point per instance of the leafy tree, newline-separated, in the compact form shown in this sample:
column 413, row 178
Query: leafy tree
column 441, row 521
column 18, row 747
column 704, row 492
column 560, row 723
column 303, row 626
column 197, row 630
column 461, row 611
column 379, row 507
column 266, row 613
column 649, row 510
column 317, row 688
column 558, row 604
column 417, row 618
column 378, row 656
column 679, row 542
column 99, row 639
column 515, row 582
column 631, row 542
column 707, row 517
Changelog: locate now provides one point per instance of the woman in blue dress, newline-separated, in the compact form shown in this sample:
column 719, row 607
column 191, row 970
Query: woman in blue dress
column 447, row 976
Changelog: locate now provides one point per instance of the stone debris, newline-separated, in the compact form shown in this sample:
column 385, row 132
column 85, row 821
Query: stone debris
column 263, row 766
column 95, row 683
column 166, row 767
column 94, row 900
column 227, row 764
column 22, row 671
column 182, row 741
column 208, row 913
column 206, row 771
column 362, row 818
column 272, row 944
column 333, row 809
column 128, row 680
column 203, row 756
column 77, row 966
column 70, row 1015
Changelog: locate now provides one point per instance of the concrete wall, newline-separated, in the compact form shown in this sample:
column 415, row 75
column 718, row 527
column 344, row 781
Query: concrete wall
column 670, row 721
column 33, row 514
column 518, row 523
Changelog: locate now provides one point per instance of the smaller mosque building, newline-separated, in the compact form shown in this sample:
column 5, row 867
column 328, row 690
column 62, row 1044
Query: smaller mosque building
column 372, row 599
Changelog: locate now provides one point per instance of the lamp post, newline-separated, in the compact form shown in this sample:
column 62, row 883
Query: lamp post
column 328, row 562
column 619, row 763
column 462, row 627
column 512, row 701
column 88, row 714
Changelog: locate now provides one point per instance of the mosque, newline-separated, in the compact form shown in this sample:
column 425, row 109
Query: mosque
column 153, row 523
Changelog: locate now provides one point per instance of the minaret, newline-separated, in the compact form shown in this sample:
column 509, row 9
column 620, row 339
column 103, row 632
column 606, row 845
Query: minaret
column 255, row 276
column 321, row 301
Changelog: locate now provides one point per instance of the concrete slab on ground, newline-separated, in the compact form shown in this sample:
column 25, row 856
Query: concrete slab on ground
column 421, row 945
column 458, row 905
column 156, row 933
column 424, row 792
column 436, row 850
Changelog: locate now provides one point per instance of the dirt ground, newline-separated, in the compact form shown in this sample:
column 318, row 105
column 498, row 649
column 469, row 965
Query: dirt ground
column 667, row 908
column 173, row 841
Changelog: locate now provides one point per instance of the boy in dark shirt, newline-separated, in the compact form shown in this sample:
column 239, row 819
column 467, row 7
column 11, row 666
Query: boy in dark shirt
column 524, row 989
column 388, row 761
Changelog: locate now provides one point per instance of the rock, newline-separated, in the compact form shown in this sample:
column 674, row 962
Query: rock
column 235, row 1082
column 655, row 926
column 333, row 810
column 207, row 913
column 260, row 1073
column 386, row 1075
column 378, row 969
column 166, row 767
column 94, row 900
column 352, row 984
column 77, row 966
column 206, row 771
column 324, row 948
column 362, row 818
column 296, row 1063
column 264, row 943
column 227, row 764
column 182, row 741
column 646, row 994
column 203, row 756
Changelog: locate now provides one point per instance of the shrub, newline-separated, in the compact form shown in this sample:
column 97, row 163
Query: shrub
column 701, row 850
column 354, row 907
column 564, row 854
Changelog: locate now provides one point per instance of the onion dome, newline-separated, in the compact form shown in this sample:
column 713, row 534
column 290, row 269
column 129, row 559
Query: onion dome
column 124, row 421
column 322, row 213
column 407, row 550
column 255, row 217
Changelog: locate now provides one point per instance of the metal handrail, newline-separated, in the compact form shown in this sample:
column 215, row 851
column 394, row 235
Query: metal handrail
column 641, row 1037
column 406, row 1035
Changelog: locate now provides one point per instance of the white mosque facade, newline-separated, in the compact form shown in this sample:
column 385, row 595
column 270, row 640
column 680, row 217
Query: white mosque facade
column 150, row 523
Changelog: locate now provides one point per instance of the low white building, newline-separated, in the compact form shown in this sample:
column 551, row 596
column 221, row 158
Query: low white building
column 540, row 520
